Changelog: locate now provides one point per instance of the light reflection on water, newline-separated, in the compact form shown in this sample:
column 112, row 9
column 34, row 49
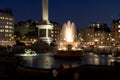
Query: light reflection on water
column 91, row 58
column 47, row 61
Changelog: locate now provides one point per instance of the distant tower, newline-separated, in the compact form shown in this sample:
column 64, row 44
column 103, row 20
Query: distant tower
column 45, row 27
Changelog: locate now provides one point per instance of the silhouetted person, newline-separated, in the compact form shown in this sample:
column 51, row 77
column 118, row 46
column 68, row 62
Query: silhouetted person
column 54, row 74
column 61, row 71
column 53, row 43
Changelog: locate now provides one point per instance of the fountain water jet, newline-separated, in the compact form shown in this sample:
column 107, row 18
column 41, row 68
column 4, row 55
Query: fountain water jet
column 68, row 32
column 69, row 45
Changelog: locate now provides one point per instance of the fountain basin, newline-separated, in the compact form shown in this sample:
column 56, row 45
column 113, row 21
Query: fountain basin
column 69, row 54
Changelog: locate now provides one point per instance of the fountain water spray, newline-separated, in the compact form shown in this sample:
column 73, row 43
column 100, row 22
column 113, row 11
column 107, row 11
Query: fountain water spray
column 69, row 44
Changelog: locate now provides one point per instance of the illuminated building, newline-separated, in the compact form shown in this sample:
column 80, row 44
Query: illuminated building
column 116, row 31
column 6, row 24
column 22, row 27
column 98, row 34
column 55, row 34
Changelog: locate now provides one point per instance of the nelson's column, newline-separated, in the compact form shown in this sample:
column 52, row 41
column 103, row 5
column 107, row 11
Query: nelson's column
column 44, row 26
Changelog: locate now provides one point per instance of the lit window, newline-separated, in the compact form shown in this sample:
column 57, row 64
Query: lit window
column 98, row 25
column 101, row 42
column 107, row 38
column 93, row 24
column 10, row 23
column 6, row 26
column 7, row 22
column 2, row 30
column 10, row 35
column 118, row 26
column 118, row 30
column 10, row 19
column 6, row 18
column 109, row 34
column 52, row 31
column 10, row 27
column 6, row 30
column 95, row 34
column 98, row 34
column 0, row 17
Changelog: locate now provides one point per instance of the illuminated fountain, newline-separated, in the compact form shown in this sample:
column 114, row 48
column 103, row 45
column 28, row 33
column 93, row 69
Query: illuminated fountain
column 69, row 45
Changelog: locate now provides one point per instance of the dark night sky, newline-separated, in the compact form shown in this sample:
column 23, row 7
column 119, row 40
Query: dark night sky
column 81, row 12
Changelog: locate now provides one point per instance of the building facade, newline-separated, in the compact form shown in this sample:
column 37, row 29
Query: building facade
column 26, row 30
column 6, row 24
column 22, row 27
column 98, row 34
column 55, row 34
column 116, row 32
